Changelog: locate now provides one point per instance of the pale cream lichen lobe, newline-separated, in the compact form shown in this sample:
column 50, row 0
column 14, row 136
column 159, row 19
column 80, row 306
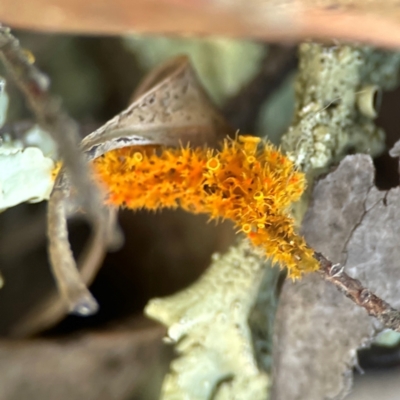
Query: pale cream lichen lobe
column 208, row 322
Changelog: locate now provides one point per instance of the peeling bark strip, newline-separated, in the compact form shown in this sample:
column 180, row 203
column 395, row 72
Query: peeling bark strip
column 355, row 291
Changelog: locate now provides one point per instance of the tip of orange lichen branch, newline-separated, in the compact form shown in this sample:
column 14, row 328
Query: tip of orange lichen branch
column 248, row 181
column 56, row 170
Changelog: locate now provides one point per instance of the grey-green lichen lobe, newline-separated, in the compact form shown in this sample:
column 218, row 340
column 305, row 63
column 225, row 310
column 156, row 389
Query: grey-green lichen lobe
column 209, row 324
column 333, row 89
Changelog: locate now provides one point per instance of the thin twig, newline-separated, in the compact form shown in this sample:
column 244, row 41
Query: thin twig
column 70, row 285
column 355, row 291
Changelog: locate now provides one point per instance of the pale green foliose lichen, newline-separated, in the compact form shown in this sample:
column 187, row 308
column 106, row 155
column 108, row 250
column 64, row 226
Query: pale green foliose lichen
column 25, row 172
column 25, row 175
column 333, row 88
column 387, row 338
column 209, row 324
column 37, row 137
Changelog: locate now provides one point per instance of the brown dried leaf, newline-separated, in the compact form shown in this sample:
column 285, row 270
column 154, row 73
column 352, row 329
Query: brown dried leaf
column 169, row 107
column 318, row 330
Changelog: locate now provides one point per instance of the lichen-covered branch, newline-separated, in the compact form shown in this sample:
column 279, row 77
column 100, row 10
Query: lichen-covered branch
column 337, row 99
column 337, row 90
column 247, row 181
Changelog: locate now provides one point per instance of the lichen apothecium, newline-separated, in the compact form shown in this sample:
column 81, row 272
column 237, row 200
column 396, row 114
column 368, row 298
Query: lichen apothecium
column 248, row 181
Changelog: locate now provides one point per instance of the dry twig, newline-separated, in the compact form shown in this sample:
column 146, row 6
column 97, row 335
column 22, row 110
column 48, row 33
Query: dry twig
column 355, row 291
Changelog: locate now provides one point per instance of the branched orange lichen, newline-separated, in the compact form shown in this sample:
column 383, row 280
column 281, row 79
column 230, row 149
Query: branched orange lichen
column 247, row 181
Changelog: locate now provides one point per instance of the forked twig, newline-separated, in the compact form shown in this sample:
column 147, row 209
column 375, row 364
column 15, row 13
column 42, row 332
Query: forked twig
column 63, row 129
column 355, row 291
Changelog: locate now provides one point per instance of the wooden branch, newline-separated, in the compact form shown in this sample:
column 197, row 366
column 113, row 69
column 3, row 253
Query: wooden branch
column 73, row 290
column 355, row 291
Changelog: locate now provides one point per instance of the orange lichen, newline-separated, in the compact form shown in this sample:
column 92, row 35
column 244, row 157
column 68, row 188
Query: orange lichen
column 247, row 181
column 56, row 170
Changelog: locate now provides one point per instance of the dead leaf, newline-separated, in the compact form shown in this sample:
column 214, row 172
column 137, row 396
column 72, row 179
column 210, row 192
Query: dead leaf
column 318, row 330
column 169, row 108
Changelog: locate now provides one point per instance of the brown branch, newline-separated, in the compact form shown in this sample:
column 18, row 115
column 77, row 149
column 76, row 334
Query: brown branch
column 355, row 291
column 68, row 279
